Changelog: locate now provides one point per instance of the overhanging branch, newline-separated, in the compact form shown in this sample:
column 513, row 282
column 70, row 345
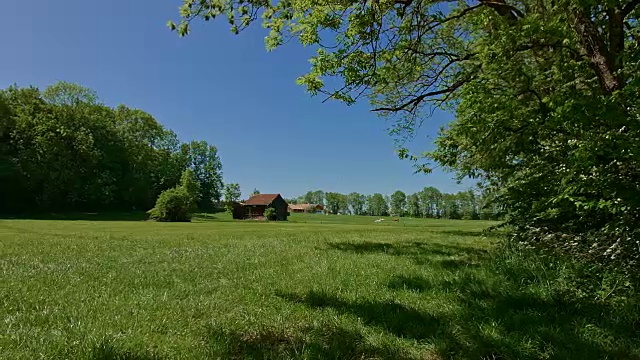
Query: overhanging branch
column 412, row 104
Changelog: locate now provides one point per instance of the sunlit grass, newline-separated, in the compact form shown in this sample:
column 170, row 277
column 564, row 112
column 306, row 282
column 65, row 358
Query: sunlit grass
column 318, row 287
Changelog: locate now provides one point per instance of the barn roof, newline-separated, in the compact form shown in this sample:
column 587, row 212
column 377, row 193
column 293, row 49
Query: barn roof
column 261, row 199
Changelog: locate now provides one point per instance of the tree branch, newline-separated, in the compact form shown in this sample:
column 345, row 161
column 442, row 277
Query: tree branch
column 595, row 50
column 413, row 103
column 504, row 9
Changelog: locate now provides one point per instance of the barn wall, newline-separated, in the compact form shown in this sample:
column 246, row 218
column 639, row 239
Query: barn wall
column 281, row 207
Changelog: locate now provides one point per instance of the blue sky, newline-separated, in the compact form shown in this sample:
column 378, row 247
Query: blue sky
column 212, row 86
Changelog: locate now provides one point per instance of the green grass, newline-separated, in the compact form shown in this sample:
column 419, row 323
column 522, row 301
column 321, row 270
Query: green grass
column 318, row 287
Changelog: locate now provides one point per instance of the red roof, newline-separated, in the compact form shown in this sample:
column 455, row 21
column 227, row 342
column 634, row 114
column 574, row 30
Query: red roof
column 261, row 199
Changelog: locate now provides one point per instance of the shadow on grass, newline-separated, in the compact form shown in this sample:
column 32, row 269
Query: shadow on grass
column 396, row 318
column 470, row 233
column 492, row 325
column 449, row 256
column 86, row 216
column 319, row 342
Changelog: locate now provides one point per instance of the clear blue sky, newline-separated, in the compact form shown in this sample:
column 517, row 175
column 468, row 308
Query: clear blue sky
column 212, row 86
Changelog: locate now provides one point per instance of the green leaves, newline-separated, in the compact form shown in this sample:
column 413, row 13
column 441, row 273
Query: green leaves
column 61, row 150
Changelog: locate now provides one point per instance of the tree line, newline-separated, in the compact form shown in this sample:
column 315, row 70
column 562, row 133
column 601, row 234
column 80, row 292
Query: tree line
column 427, row 203
column 61, row 149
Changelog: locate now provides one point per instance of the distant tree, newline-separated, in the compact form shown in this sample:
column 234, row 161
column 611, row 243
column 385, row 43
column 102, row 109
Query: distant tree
column 291, row 201
column 255, row 192
column 232, row 194
column 413, row 205
column 398, row 203
column 469, row 207
column 203, row 159
column 430, row 202
column 314, row 197
column 357, row 202
column 335, row 202
column 451, row 206
column 377, row 205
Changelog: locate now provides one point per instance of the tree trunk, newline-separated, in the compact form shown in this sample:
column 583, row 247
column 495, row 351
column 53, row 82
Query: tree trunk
column 595, row 50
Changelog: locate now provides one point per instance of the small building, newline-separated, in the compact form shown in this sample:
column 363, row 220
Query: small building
column 255, row 207
column 300, row 208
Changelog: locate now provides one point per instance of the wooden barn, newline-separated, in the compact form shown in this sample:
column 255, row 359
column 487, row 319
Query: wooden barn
column 255, row 207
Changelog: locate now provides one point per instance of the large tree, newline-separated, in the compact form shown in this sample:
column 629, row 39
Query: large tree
column 413, row 205
column 544, row 91
column 357, row 203
column 207, row 168
column 377, row 205
column 397, row 203
column 314, row 197
column 336, row 203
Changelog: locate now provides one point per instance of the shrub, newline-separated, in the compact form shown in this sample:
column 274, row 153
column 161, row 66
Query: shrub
column 173, row 205
column 270, row 213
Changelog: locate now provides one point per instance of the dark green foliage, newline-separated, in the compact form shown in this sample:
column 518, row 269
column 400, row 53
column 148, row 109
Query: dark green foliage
column 62, row 150
column 173, row 205
column 398, row 203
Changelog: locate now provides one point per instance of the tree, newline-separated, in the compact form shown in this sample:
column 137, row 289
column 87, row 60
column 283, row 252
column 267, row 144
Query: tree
column 232, row 194
column 357, row 202
column 314, row 197
column 69, row 94
column 189, row 183
column 413, row 205
column 255, row 192
column 377, row 205
column 398, row 202
column 430, row 201
column 203, row 159
column 544, row 92
column 336, row 203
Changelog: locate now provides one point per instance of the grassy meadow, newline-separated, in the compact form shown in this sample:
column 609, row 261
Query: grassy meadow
column 315, row 287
